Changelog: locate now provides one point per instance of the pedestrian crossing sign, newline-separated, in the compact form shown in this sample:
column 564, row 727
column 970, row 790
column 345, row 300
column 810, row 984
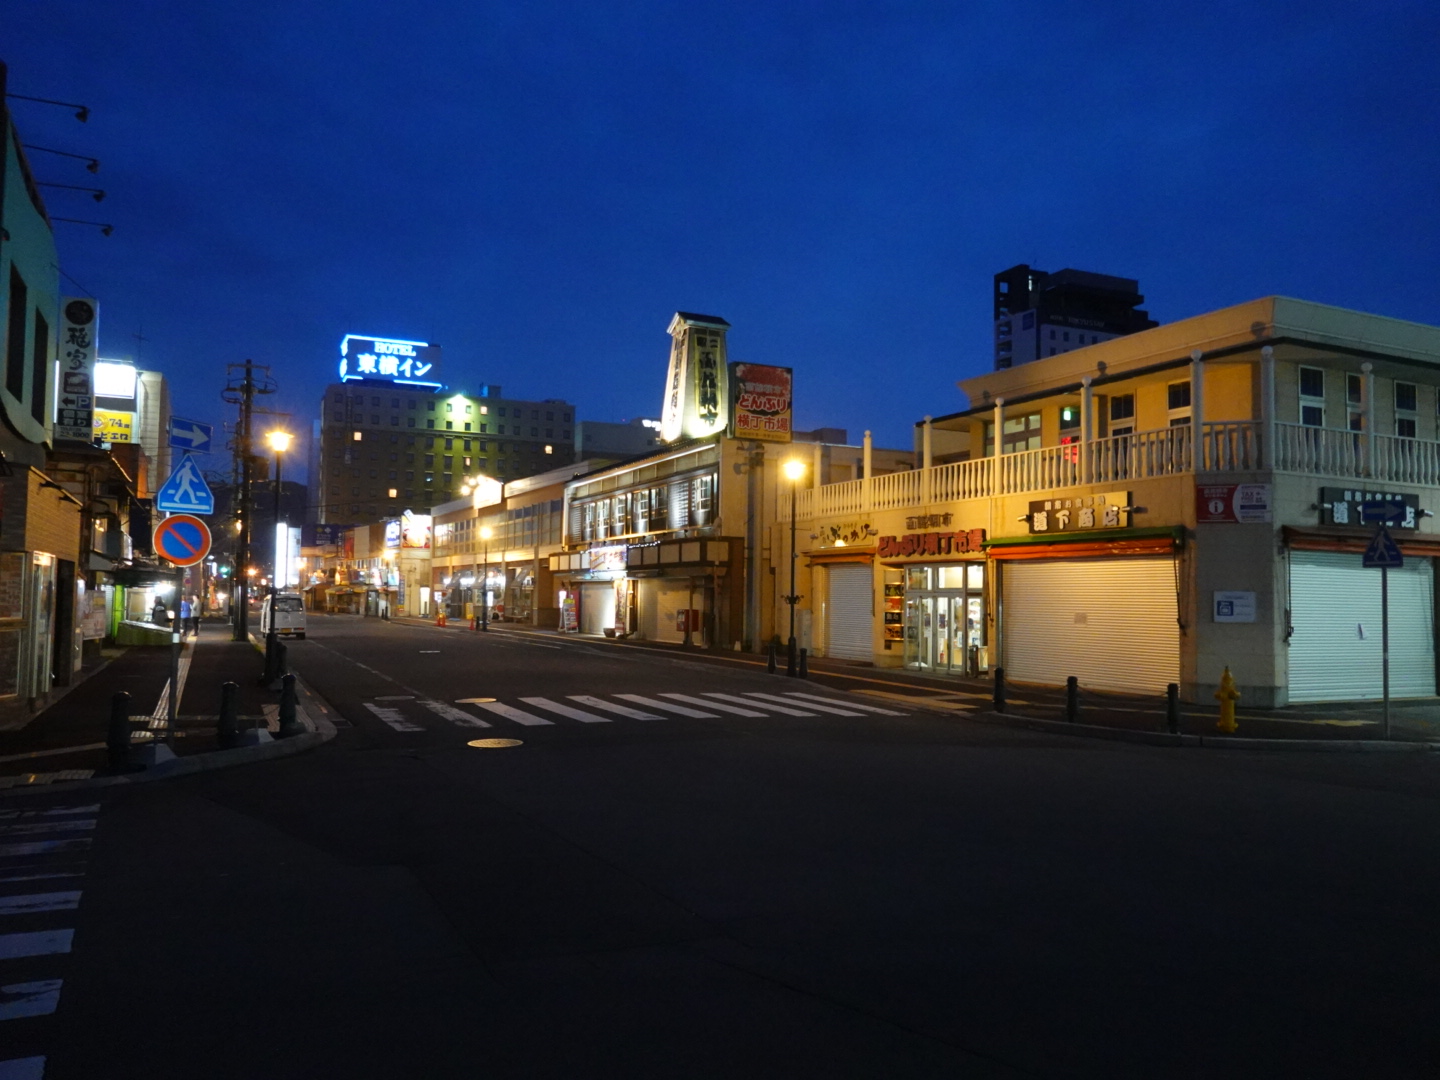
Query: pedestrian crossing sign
column 1383, row 552
column 186, row 491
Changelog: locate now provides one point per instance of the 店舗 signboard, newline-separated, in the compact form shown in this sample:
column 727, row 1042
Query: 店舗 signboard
column 1080, row 513
column 697, row 387
column 923, row 544
column 1232, row 503
column 761, row 398
column 75, row 397
column 1342, row 506
column 405, row 363
column 113, row 426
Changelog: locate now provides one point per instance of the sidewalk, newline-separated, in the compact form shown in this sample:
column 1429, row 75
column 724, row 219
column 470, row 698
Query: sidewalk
column 1102, row 714
column 67, row 741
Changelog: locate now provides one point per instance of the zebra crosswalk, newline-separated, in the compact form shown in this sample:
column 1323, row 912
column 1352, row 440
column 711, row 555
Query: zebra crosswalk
column 43, row 851
column 410, row 714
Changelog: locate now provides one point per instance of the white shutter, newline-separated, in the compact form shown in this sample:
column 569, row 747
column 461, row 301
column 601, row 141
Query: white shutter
column 1335, row 613
column 849, row 615
column 1109, row 622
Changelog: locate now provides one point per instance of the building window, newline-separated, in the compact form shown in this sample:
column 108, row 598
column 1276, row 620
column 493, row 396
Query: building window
column 430, row 406
column 39, row 366
column 1177, row 397
column 394, row 493
column 410, row 404
column 429, row 423
column 467, row 425
column 567, row 418
column 1020, row 433
column 1069, row 417
column 410, row 421
column 484, row 410
column 1122, row 414
column 357, row 436
column 1312, row 397
column 449, row 408
column 549, row 449
column 1406, row 400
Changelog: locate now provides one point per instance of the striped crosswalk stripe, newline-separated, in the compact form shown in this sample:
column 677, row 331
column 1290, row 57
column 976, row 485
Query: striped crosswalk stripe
column 783, row 709
column 29, row 999
column 846, row 703
column 455, row 716
column 566, row 710
column 735, row 709
column 54, row 811
column 35, row 943
column 393, row 717
column 30, row 1068
column 38, row 828
column 30, row 903
column 641, row 699
column 520, row 716
column 618, row 710
column 810, row 704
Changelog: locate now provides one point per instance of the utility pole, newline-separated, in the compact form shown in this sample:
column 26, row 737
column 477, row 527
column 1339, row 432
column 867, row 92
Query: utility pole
column 241, row 390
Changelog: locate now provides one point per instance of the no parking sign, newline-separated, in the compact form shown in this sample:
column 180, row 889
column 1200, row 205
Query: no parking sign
column 182, row 539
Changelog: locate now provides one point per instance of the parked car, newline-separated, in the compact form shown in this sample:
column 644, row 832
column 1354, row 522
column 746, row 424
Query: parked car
column 288, row 615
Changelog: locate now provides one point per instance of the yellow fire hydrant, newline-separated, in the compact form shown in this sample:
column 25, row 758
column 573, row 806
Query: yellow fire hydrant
column 1227, row 695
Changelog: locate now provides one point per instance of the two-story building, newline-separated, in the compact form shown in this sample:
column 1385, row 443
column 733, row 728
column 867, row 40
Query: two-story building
column 1152, row 509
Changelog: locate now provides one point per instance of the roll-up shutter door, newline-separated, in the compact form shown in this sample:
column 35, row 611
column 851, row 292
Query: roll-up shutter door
column 849, row 617
column 1109, row 622
column 1335, row 613
column 597, row 607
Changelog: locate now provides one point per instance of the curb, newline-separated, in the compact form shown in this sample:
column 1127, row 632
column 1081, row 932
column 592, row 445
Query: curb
column 1208, row 742
column 320, row 732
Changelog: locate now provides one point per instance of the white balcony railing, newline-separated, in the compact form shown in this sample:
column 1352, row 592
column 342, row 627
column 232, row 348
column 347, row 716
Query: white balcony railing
column 1228, row 447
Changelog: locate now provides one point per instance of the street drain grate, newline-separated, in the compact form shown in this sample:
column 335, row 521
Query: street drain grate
column 493, row 744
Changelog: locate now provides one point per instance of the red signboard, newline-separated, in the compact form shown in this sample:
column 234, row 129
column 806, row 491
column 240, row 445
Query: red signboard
column 761, row 402
column 1232, row 503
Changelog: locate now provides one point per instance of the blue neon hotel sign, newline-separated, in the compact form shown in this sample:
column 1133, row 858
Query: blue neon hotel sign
column 372, row 359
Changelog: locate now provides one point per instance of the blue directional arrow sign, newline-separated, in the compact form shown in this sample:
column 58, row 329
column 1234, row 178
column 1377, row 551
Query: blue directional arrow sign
column 186, row 491
column 1383, row 552
column 190, row 435
column 1382, row 512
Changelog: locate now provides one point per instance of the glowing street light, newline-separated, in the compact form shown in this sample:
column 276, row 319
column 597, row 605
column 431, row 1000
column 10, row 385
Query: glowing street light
column 279, row 441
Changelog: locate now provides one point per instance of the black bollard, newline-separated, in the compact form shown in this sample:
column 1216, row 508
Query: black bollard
column 117, row 739
column 289, row 724
column 227, row 728
column 1072, row 699
column 269, row 675
column 1172, row 708
column 804, row 666
column 280, row 659
column 790, row 659
column 770, row 662
column 999, row 689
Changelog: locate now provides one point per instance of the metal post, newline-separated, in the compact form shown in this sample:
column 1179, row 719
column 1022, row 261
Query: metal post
column 177, row 630
column 228, row 724
column 485, row 591
column 999, row 700
column 792, row 598
column 117, row 739
column 1172, row 707
column 1385, row 645
column 1072, row 699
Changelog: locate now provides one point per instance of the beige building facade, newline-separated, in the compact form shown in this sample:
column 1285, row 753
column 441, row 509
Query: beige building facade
column 1152, row 509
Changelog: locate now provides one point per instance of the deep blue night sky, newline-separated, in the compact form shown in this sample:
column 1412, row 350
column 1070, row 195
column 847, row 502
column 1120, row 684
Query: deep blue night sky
column 538, row 186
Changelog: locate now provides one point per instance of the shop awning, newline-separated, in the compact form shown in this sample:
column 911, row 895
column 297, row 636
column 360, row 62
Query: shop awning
column 835, row 556
column 1357, row 540
column 1097, row 544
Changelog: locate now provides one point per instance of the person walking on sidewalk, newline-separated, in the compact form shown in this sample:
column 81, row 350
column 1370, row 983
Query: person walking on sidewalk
column 195, row 615
column 185, row 614
column 158, row 615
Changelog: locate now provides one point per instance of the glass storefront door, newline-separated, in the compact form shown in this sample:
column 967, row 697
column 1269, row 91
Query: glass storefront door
column 945, row 619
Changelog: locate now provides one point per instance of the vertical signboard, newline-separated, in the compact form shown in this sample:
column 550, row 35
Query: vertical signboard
column 697, row 391
column 75, row 399
column 761, row 402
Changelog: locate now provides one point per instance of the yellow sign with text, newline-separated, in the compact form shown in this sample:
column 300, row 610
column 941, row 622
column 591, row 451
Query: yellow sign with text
column 114, row 426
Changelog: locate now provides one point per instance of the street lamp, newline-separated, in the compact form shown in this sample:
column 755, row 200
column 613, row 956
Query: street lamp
column 279, row 442
column 794, row 472
column 485, row 533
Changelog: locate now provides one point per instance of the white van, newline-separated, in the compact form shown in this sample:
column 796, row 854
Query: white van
column 289, row 615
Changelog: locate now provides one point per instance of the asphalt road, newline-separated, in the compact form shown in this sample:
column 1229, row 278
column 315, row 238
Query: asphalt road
column 882, row 894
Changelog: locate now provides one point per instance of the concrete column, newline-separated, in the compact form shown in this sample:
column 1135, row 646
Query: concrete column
column 866, row 465
column 1197, row 411
column 1087, row 428
column 926, row 459
column 999, row 422
column 1269, row 458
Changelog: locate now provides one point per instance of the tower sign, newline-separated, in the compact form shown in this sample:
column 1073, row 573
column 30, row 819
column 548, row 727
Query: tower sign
column 697, row 389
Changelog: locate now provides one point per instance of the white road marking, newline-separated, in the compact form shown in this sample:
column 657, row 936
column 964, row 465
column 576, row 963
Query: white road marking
column 847, row 703
column 29, row 999
column 454, row 715
column 811, row 704
column 520, row 716
column 37, row 828
column 785, row 709
column 28, row 903
column 736, row 709
column 393, row 718
column 31, row 1068
column 45, row 847
column 35, row 943
column 54, row 811
column 618, row 710
column 640, row 699
column 7, row 878
column 566, row 710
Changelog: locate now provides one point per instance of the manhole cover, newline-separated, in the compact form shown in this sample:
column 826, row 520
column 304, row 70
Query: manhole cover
column 494, row 744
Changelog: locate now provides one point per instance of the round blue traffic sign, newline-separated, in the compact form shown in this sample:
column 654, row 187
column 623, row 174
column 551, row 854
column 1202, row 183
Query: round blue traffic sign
column 182, row 539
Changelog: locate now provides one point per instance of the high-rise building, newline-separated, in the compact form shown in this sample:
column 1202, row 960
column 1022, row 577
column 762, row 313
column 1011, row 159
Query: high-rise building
column 1038, row 314
column 385, row 448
